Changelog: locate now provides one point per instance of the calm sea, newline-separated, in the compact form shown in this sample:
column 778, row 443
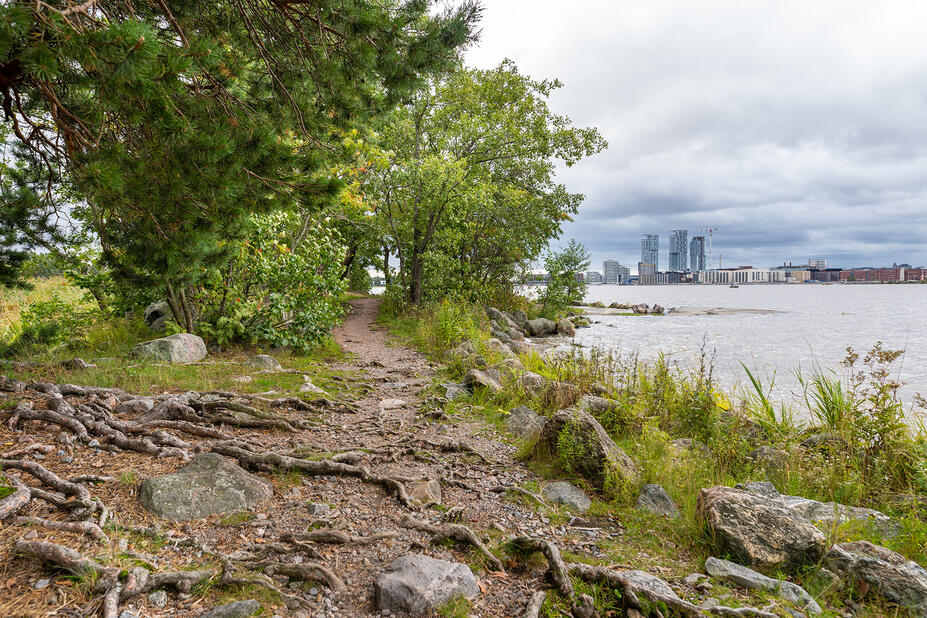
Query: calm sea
column 815, row 326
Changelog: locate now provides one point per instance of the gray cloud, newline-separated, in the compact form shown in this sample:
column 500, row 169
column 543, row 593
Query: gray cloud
column 799, row 129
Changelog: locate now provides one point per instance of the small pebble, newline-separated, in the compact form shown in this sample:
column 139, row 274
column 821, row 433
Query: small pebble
column 41, row 584
column 313, row 591
column 123, row 545
column 68, row 459
column 93, row 443
column 30, row 534
column 158, row 598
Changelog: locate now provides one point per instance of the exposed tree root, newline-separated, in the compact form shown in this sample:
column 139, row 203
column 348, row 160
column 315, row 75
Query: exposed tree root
column 558, row 569
column 80, row 493
column 498, row 489
column 456, row 532
column 16, row 500
column 79, row 527
column 533, row 609
column 307, row 572
column 334, row 537
column 629, row 588
column 45, row 449
column 323, row 467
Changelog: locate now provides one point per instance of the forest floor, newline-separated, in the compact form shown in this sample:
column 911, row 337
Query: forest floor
column 393, row 421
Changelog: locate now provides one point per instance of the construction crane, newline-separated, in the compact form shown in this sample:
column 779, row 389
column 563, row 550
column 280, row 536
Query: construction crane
column 710, row 230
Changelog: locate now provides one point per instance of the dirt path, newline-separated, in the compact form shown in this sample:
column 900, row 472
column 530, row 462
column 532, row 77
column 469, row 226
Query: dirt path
column 394, row 426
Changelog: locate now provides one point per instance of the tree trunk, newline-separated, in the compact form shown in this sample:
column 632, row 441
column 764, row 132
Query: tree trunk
column 174, row 304
column 386, row 277
column 188, row 315
column 415, row 279
column 348, row 260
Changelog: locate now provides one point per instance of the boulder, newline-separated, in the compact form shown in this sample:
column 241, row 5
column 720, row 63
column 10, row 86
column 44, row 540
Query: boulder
column 828, row 514
column 758, row 531
column 518, row 346
column 179, row 348
column 561, row 395
column 532, row 383
column 503, row 319
column 208, row 485
column 418, row 584
column 597, row 304
column 657, row 310
column 462, row 352
column 423, row 493
column 515, row 334
column 567, row 494
column 498, row 347
column 520, row 318
column 750, row 579
column 566, row 328
column 889, row 574
column 454, row 391
column 524, row 422
column 539, row 327
column 157, row 315
column 595, row 405
column 484, row 378
column 654, row 498
column 773, row 460
column 501, row 335
column 640, row 308
column 263, row 361
column 236, row 609
column 580, row 444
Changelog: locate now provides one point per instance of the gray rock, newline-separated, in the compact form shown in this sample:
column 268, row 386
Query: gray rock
column 524, row 422
column 518, row 347
column 539, row 327
column 317, row 508
column 179, row 348
column 532, row 383
column 208, row 485
column 567, row 494
column 654, row 498
column 761, row 488
column 158, row 598
column 236, row 609
column 566, row 328
column 709, row 602
column 127, row 614
column 157, row 315
column 501, row 336
column 263, row 361
column 515, row 334
column 750, row 579
column 422, row 493
column 595, row 405
column 561, row 395
column 484, row 378
column 42, row 584
column 586, row 450
column 758, row 531
column 888, row 573
column 657, row 310
column 418, row 584
column 454, row 391
column 830, row 514
column 640, row 308
column 498, row 347
column 520, row 318
column 501, row 318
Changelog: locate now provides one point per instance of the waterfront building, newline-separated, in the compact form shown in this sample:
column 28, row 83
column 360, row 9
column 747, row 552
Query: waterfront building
column 828, row 275
column 614, row 272
column 678, row 250
column 650, row 249
column 741, row 275
column 646, row 273
column 915, row 274
column 671, row 277
column 593, row 276
column 697, row 254
column 817, row 264
column 872, row 275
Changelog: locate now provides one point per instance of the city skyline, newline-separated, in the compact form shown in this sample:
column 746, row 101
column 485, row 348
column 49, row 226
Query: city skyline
column 792, row 139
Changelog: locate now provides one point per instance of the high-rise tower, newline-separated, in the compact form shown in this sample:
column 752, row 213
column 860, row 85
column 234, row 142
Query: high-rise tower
column 697, row 254
column 650, row 249
column 678, row 250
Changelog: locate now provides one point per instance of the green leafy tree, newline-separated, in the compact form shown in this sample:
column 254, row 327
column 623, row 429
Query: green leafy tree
column 163, row 126
column 565, row 286
column 467, row 190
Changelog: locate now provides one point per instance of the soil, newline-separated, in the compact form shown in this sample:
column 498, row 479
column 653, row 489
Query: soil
column 396, row 422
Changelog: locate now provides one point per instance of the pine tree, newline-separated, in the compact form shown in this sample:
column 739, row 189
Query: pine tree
column 162, row 125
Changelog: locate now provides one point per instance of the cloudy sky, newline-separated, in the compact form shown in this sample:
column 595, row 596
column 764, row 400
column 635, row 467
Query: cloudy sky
column 798, row 128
